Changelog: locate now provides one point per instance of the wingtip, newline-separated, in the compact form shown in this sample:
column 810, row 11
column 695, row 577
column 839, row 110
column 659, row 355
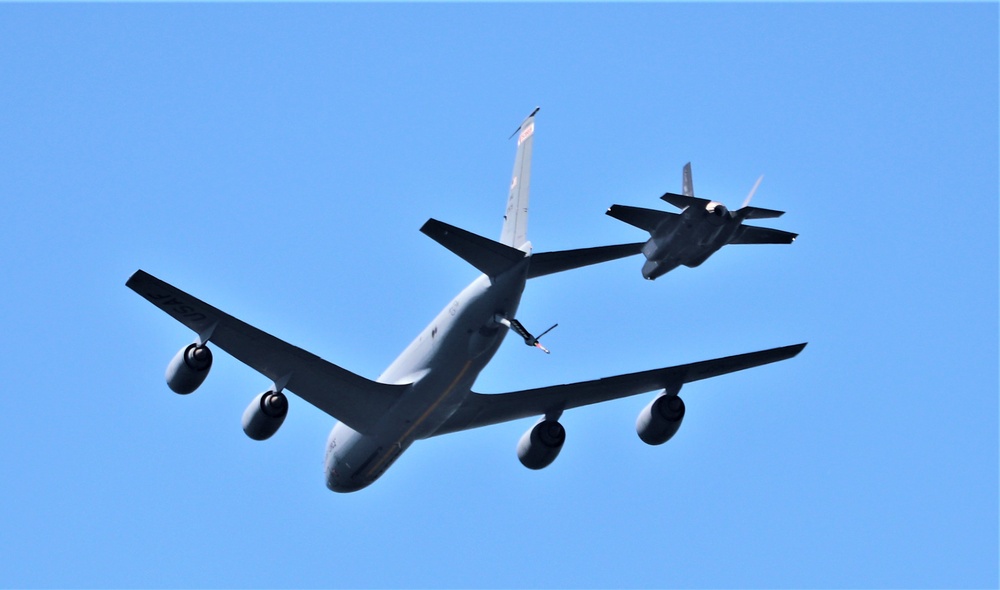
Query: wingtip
column 430, row 226
column 787, row 352
column 136, row 276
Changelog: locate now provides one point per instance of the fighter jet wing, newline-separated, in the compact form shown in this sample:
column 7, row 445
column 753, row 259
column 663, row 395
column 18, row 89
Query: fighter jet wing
column 350, row 398
column 486, row 409
column 748, row 234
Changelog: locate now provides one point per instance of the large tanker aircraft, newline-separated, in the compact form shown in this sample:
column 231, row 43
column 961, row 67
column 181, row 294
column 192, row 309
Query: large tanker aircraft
column 427, row 390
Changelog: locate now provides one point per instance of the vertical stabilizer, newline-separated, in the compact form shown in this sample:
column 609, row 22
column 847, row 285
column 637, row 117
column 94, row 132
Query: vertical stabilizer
column 515, row 219
column 687, row 185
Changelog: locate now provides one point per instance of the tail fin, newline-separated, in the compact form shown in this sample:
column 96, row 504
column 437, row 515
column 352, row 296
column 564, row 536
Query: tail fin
column 547, row 263
column 515, row 219
column 687, row 185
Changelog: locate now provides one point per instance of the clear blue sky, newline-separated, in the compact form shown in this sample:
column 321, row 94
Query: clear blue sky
column 277, row 161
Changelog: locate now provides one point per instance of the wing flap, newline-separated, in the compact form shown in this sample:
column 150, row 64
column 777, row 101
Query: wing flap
column 350, row 398
column 486, row 409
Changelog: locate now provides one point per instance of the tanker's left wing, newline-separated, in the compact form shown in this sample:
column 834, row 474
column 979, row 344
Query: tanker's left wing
column 486, row 409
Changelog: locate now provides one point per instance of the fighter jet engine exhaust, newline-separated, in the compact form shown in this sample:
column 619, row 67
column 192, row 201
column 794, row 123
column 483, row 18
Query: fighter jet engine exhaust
column 188, row 369
column 659, row 421
column 265, row 414
column 720, row 210
column 540, row 446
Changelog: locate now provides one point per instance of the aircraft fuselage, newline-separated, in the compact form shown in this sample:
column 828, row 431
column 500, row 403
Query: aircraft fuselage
column 440, row 366
column 687, row 239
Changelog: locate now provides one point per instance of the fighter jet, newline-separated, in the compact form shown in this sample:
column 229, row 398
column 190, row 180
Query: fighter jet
column 427, row 390
column 698, row 231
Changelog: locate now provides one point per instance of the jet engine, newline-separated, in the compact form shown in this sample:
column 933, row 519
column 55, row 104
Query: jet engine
column 659, row 421
column 540, row 446
column 265, row 414
column 719, row 212
column 188, row 369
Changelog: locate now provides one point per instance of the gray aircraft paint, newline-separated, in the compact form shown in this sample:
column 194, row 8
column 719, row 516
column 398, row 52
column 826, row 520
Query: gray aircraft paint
column 515, row 219
column 701, row 229
column 427, row 390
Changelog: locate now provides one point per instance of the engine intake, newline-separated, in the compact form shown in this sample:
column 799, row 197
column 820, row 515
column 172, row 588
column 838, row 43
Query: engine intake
column 659, row 421
column 540, row 446
column 188, row 369
column 265, row 415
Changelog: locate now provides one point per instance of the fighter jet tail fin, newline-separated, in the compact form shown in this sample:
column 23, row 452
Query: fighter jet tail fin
column 491, row 258
column 687, row 186
column 647, row 219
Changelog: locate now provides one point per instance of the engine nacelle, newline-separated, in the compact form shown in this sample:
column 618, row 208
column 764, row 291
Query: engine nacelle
column 719, row 210
column 188, row 369
column 658, row 422
column 540, row 446
column 265, row 414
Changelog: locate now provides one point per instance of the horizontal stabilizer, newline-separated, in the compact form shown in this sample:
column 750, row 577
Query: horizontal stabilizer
column 491, row 258
column 546, row 263
column 486, row 409
column 747, row 234
column 684, row 201
column 759, row 213
column 647, row 219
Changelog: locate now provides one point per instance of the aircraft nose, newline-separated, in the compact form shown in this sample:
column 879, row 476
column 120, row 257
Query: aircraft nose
column 344, row 487
column 343, row 484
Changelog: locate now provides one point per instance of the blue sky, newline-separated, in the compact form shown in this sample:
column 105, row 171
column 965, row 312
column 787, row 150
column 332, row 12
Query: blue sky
column 277, row 161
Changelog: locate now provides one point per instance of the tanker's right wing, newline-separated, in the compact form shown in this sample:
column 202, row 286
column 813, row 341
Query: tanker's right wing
column 486, row 409
column 350, row 398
